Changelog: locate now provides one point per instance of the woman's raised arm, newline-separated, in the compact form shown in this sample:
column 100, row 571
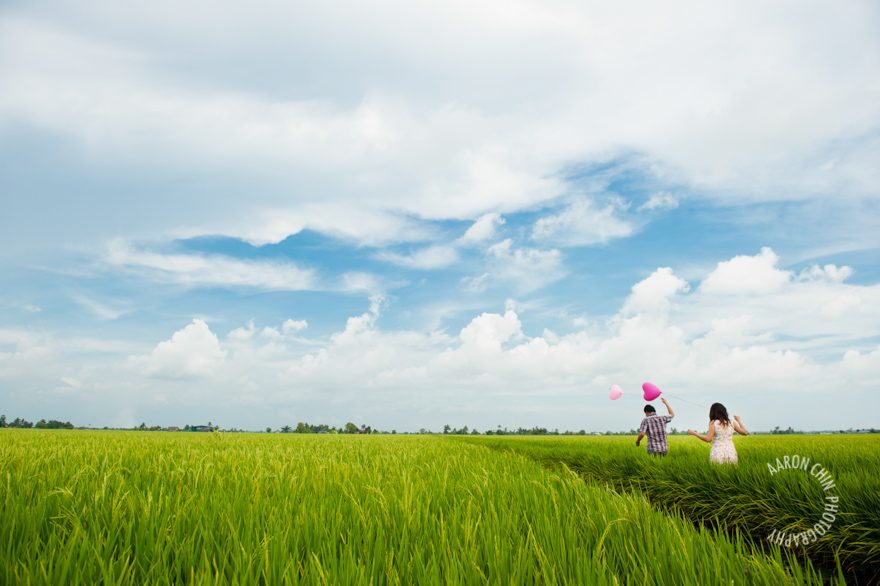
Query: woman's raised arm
column 708, row 436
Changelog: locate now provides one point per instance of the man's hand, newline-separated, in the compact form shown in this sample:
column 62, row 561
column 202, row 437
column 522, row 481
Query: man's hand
column 637, row 443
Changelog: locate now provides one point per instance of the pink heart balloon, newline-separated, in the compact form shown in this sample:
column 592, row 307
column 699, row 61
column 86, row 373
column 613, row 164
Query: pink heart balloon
column 651, row 391
column 616, row 392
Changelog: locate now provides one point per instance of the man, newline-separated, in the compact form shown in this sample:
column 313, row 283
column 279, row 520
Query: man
column 655, row 427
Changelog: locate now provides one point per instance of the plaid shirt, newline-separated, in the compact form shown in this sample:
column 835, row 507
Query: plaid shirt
column 655, row 427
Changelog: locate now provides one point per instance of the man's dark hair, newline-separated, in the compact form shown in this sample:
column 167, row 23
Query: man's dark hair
column 650, row 409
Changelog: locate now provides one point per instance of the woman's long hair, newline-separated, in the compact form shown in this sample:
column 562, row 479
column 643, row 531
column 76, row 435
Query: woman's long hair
column 718, row 412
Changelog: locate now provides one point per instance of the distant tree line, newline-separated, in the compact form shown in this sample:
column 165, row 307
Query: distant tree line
column 20, row 423
column 353, row 428
column 304, row 427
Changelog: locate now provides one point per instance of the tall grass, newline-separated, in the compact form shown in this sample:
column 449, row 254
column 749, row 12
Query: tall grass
column 747, row 499
column 137, row 508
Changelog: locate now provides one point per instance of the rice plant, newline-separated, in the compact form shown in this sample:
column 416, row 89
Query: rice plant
column 136, row 508
column 751, row 499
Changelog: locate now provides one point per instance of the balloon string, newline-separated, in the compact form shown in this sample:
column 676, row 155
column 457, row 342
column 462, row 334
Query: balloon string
column 687, row 401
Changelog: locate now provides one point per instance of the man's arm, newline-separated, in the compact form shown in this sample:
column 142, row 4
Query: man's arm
column 639, row 439
column 668, row 408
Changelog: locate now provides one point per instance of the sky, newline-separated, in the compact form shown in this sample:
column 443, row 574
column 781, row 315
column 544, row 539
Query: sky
column 408, row 215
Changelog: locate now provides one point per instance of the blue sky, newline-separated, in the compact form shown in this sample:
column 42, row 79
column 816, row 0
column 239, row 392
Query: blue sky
column 411, row 217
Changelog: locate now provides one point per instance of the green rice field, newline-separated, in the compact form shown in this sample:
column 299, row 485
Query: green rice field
column 87, row 507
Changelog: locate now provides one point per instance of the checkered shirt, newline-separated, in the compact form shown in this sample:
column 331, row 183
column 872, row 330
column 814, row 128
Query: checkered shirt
column 655, row 427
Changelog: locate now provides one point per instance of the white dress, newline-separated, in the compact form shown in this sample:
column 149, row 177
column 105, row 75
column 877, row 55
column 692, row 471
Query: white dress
column 722, row 451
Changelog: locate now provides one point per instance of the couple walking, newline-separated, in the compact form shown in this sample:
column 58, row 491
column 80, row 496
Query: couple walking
column 720, row 433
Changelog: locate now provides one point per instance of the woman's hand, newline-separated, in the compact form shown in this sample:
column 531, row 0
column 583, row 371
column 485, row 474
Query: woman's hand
column 692, row 431
column 736, row 417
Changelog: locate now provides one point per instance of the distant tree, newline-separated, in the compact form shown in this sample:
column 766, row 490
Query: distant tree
column 268, row 430
column 350, row 427
column 446, row 429
column 303, row 427
column 41, row 424
column 475, row 432
column 286, row 429
column 3, row 421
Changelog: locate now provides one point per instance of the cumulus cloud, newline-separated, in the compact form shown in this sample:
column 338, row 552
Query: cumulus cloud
column 828, row 272
column 654, row 293
column 294, row 325
column 488, row 331
column 747, row 274
column 749, row 347
column 191, row 352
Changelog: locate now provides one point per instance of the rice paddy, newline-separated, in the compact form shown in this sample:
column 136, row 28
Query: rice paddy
column 83, row 507
column 784, row 487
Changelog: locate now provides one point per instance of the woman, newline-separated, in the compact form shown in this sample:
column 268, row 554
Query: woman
column 720, row 434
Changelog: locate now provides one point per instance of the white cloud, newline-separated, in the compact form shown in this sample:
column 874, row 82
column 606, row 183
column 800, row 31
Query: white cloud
column 210, row 270
column 828, row 272
column 863, row 367
column 482, row 229
column 440, row 124
column 527, row 268
column 751, row 349
column 101, row 310
column 582, row 224
column 193, row 351
column 660, row 201
column 243, row 334
column 476, row 284
column 488, row 331
column 432, row 257
column 360, row 282
column 294, row 325
column 839, row 305
column 653, row 294
column 71, row 382
column 747, row 274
